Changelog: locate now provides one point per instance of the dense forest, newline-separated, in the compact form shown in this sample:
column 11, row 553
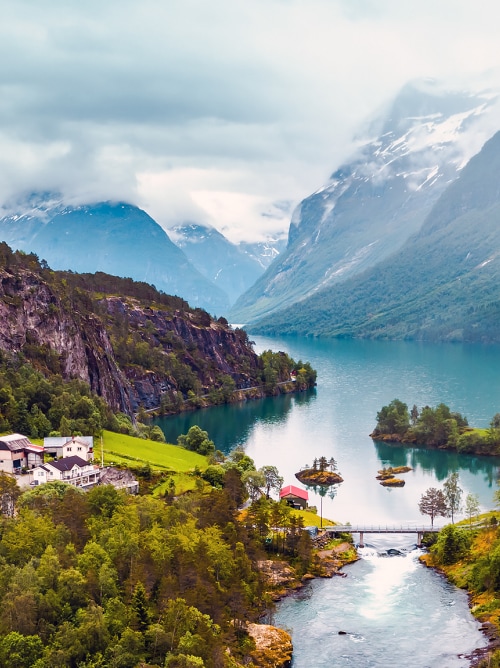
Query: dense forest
column 435, row 427
column 103, row 579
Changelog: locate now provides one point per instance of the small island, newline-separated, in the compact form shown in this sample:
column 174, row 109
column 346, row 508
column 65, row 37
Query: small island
column 387, row 476
column 437, row 427
column 322, row 472
column 393, row 482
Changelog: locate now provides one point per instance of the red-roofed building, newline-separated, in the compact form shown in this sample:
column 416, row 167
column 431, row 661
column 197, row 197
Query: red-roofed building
column 294, row 496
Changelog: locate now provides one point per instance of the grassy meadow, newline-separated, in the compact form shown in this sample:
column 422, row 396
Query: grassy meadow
column 133, row 451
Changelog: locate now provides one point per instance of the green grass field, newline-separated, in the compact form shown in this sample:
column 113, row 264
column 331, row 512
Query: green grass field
column 133, row 451
column 311, row 519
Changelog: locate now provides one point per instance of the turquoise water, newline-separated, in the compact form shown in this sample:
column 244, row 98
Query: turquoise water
column 394, row 611
column 355, row 379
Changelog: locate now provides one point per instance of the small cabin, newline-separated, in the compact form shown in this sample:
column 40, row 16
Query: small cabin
column 294, row 497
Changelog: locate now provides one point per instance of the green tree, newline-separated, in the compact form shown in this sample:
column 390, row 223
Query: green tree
column 393, row 419
column 452, row 544
column 20, row 651
column 453, row 494
column 196, row 440
column 254, row 482
column 9, row 494
column 323, row 463
column 156, row 434
column 273, row 479
column 140, row 608
column 414, row 414
column 433, row 503
column 471, row 507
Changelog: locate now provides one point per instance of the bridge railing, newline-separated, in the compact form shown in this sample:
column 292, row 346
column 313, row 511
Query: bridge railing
column 348, row 528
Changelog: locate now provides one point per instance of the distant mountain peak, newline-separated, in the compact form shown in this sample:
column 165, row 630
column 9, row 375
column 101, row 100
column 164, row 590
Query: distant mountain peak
column 115, row 237
column 373, row 203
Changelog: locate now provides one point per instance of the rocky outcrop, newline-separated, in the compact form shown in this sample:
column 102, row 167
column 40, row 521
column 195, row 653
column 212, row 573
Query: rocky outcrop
column 36, row 320
column 273, row 646
column 316, row 477
column 210, row 348
column 63, row 327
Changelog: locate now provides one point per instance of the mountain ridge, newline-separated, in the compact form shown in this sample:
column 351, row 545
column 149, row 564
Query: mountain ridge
column 441, row 285
column 115, row 237
column 373, row 204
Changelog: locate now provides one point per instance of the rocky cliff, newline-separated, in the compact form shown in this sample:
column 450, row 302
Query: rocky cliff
column 132, row 345
column 36, row 321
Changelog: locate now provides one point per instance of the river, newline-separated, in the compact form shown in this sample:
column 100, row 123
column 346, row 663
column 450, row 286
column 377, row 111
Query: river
column 355, row 379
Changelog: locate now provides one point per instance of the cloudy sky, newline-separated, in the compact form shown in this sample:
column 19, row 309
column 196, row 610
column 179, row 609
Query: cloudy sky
column 226, row 112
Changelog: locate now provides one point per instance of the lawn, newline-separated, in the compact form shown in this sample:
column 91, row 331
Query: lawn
column 130, row 450
column 311, row 519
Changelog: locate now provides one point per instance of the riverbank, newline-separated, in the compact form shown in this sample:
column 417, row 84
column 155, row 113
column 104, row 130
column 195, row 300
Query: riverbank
column 329, row 557
column 237, row 396
column 472, row 568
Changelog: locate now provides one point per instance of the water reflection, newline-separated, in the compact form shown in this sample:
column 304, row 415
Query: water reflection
column 230, row 425
column 355, row 379
column 441, row 463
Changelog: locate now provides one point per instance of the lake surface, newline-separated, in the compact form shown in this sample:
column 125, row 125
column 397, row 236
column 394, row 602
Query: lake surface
column 394, row 611
column 355, row 379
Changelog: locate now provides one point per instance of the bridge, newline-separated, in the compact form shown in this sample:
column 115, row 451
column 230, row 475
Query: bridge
column 363, row 529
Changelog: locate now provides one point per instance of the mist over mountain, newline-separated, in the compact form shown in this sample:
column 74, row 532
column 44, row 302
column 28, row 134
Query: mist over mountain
column 232, row 267
column 114, row 237
column 442, row 285
column 374, row 203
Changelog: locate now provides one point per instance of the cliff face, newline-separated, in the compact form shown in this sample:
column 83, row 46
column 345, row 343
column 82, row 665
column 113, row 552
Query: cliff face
column 34, row 320
column 207, row 348
column 132, row 352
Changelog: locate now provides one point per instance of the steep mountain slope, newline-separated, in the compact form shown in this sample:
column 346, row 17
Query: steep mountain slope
column 444, row 284
column 373, row 204
column 131, row 344
column 264, row 252
column 219, row 260
column 117, row 238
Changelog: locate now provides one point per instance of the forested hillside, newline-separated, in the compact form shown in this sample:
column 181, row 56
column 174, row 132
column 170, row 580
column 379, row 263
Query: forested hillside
column 102, row 579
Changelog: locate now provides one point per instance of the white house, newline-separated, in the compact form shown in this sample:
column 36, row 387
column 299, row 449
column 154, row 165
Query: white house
column 18, row 453
column 73, row 470
column 67, row 446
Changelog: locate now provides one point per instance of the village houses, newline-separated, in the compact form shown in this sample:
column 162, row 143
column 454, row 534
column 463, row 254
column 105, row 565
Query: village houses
column 68, row 459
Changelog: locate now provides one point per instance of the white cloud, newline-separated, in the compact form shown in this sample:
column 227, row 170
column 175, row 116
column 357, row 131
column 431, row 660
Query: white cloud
column 214, row 110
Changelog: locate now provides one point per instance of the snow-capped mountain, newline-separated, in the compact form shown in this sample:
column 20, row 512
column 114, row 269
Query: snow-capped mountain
column 264, row 252
column 232, row 267
column 443, row 284
column 371, row 205
column 113, row 237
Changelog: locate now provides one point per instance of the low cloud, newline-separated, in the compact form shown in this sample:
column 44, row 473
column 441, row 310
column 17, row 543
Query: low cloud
column 215, row 111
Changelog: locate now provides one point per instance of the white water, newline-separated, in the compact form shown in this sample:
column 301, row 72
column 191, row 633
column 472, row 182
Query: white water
column 388, row 611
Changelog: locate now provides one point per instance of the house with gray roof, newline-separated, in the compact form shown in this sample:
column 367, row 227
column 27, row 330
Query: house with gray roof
column 66, row 446
column 18, row 453
column 73, row 470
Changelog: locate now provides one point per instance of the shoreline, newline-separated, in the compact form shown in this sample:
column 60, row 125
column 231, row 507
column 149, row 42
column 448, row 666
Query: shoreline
column 476, row 658
column 491, row 632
